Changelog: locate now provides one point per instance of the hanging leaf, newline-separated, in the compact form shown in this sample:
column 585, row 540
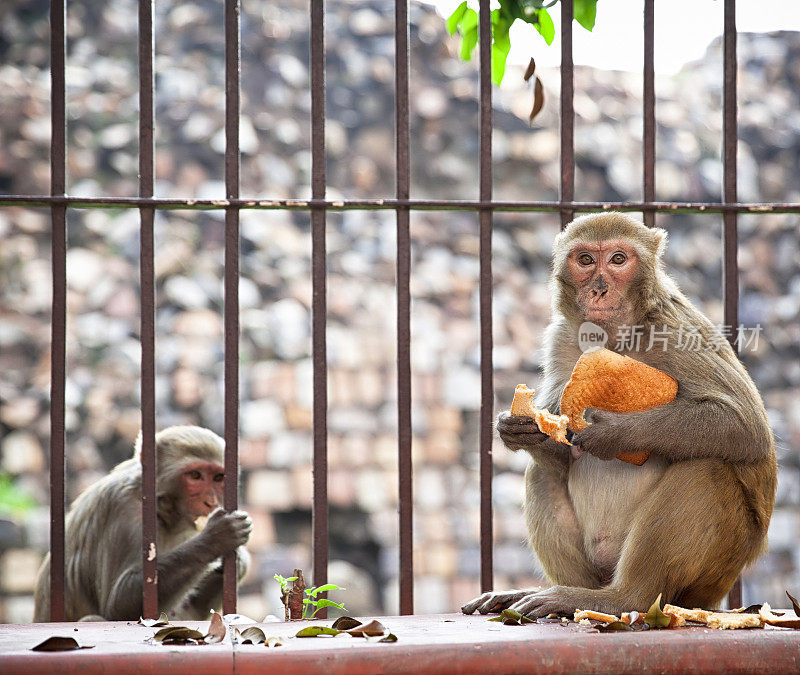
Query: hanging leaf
column 162, row 620
column 530, row 70
column 455, row 18
column 316, row 631
column 538, row 99
column 216, row 629
column 655, row 618
column 252, row 636
column 585, row 13
column 500, row 48
column 57, row 643
column 345, row 623
column 545, row 26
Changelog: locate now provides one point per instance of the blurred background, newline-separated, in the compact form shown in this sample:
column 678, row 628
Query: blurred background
column 275, row 291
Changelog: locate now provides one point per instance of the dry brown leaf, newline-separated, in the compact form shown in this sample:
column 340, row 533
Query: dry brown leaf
column 530, row 70
column 370, row 629
column 58, row 643
column 252, row 635
column 216, row 629
column 538, row 99
column 162, row 620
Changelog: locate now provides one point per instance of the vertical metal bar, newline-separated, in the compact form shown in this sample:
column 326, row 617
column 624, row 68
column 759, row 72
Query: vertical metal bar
column 731, row 244
column 485, row 293
column 147, row 319
column 649, row 113
column 402, row 159
column 58, row 345
column 318, row 296
column 567, row 113
column 231, row 319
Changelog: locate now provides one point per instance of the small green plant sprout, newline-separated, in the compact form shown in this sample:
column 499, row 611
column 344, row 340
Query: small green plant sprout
column 311, row 603
column 284, row 582
column 319, row 603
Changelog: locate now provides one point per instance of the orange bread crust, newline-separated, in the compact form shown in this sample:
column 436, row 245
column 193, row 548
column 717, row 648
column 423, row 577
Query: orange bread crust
column 554, row 426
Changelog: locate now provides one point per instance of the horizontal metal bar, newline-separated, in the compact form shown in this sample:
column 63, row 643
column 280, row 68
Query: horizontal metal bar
column 390, row 204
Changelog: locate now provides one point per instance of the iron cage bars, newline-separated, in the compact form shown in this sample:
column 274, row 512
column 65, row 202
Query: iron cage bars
column 58, row 202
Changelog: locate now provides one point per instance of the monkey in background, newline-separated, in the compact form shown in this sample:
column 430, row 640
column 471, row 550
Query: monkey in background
column 611, row 536
column 103, row 576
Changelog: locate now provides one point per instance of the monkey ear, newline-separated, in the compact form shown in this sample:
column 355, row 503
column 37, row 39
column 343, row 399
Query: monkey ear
column 137, row 447
column 660, row 241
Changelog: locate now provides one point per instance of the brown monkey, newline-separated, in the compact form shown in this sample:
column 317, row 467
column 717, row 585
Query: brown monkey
column 104, row 535
column 612, row 536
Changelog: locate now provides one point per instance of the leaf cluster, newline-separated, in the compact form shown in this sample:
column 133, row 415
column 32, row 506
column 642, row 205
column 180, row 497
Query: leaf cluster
column 312, row 601
column 465, row 20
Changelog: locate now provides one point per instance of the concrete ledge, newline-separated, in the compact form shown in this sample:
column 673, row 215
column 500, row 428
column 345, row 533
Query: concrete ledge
column 450, row 643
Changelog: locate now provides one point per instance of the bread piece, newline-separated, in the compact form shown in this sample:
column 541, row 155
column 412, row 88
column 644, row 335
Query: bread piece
column 554, row 426
column 591, row 614
column 719, row 620
column 609, row 381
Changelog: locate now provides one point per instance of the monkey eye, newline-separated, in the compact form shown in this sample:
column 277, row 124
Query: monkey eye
column 585, row 259
column 219, row 477
column 194, row 474
column 618, row 258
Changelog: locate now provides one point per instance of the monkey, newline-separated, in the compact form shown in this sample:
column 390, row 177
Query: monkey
column 103, row 535
column 612, row 536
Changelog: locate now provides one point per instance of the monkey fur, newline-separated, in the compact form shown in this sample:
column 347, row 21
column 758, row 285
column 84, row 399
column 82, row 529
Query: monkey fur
column 611, row 536
column 103, row 576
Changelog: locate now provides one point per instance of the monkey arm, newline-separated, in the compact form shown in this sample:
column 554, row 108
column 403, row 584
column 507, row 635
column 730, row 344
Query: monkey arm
column 683, row 429
column 207, row 595
column 522, row 433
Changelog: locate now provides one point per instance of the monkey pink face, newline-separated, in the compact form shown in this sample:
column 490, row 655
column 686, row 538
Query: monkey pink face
column 202, row 484
column 602, row 271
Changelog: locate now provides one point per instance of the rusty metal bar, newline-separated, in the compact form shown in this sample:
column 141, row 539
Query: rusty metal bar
column 393, row 204
column 231, row 311
column 649, row 113
column 404, row 435
column 567, row 116
column 318, row 297
column 730, row 138
column 485, row 293
column 147, row 312
column 58, row 345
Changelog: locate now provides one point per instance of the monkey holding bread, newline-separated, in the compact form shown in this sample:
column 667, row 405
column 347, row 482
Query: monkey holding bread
column 103, row 535
column 612, row 535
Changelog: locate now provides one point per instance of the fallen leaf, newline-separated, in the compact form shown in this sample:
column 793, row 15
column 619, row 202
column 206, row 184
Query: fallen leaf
column 391, row 637
column 57, row 643
column 370, row 629
column 752, row 609
column 613, row 626
column 655, row 618
column 252, row 636
column 768, row 616
column 316, row 631
column 162, row 620
column 795, row 606
column 216, row 629
column 345, row 623
column 274, row 642
column 176, row 634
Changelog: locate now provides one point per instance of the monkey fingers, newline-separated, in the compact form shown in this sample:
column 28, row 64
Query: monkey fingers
column 519, row 432
column 553, row 600
column 604, row 437
column 493, row 601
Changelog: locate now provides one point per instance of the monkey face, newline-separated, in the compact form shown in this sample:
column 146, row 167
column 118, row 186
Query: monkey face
column 201, row 486
column 602, row 272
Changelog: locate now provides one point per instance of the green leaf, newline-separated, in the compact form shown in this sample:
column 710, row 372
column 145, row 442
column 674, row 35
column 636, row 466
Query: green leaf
column 468, row 43
column 585, row 13
column 455, row 18
column 314, row 592
column 613, row 626
column 322, row 602
column 545, row 26
column 655, row 618
column 316, row 631
column 500, row 50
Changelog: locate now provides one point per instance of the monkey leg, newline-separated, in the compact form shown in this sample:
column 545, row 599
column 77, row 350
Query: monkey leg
column 555, row 535
column 689, row 540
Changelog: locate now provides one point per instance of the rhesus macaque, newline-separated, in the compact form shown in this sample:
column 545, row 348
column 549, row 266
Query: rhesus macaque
column 611, row 536
column 104, row 535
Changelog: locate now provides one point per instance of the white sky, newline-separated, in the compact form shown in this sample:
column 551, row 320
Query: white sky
column 683, row 30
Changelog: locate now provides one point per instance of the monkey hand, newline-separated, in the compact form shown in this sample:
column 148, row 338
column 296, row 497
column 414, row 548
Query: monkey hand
column 226, row 531
column 606, row 437
column 519, row 433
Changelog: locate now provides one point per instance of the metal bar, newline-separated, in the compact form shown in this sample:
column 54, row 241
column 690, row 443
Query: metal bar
column 394, row 204
column 147, row 316
column 730, row 243
column 58, row 345
column 649, row 113
column 404, row 463
column 567, row 116
column 231, row 311
column 318, row 297
column 485, row 293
